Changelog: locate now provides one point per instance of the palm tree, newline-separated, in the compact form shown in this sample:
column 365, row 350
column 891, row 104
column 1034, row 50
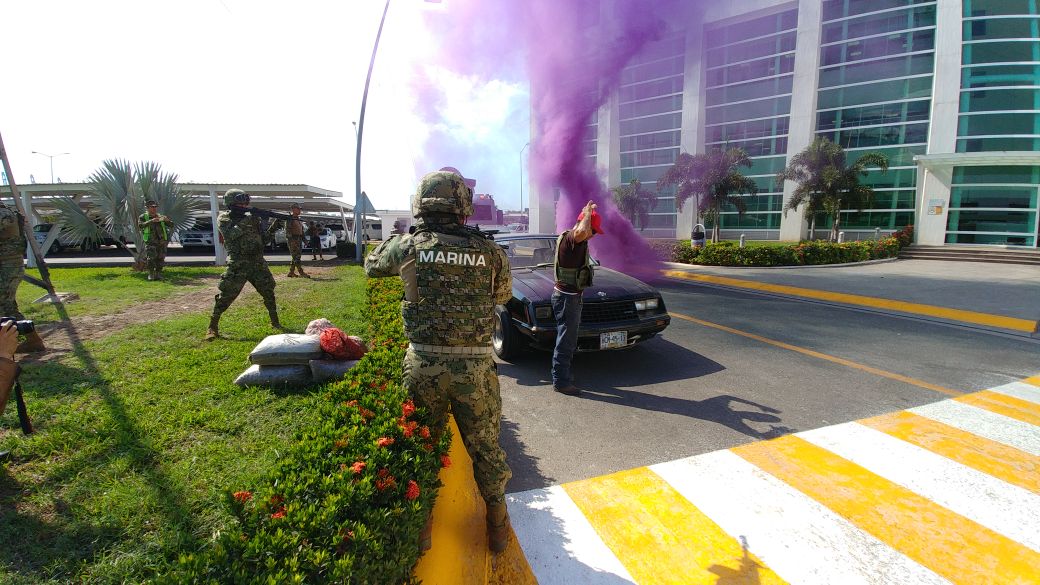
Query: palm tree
column 120, row 190
column 827, row 183
column 713, row 180
column 635, row 202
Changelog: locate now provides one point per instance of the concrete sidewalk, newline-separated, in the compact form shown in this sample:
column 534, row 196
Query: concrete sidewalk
column 998, row 297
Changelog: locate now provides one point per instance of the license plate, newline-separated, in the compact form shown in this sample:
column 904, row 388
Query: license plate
column 613, row 339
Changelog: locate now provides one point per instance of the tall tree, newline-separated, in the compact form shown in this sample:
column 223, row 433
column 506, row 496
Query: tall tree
column 713, row 180
column 120, row 190
column 635, row 202
column 827, row 183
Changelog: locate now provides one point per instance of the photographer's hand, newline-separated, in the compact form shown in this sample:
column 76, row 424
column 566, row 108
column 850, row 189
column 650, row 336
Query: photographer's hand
column 8, row 340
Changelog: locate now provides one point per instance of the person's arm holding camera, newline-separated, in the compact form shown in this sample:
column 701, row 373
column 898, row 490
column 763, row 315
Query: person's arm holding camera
column 8, row 367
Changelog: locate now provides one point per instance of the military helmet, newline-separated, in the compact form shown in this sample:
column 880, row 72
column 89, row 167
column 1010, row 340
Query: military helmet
column 442, row 192
column 234, row 196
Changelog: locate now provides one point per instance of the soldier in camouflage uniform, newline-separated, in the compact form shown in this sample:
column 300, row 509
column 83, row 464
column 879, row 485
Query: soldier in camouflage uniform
column 155, row 230
column 243, row 235
column 12, row 250
column 453, row 278
column 294, row 239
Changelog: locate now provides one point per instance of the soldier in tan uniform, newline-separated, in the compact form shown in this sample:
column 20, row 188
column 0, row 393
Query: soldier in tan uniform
column 453, row 278
column 294, row 239
column 12, row 267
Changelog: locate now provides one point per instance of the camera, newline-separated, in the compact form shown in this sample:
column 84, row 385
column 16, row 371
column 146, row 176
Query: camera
column 23, row 326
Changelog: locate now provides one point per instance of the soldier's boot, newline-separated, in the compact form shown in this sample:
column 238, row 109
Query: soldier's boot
column 33, row 343
column 214, row 328
column 273, row 313
column 426, row 536
column 292, row 272
column 498, row 527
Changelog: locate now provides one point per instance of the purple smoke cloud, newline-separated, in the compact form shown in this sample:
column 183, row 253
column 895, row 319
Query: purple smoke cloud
column 575, row 53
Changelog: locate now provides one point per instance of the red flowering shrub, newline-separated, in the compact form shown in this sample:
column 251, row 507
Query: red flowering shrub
column 341, row 506
column 243, row 496
column 413, row 490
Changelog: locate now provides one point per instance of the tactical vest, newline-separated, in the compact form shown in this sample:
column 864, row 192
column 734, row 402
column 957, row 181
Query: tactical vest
column 146, row 233
column 251, row 244
column 579, row 278
column 12, row 239
column 455, row 281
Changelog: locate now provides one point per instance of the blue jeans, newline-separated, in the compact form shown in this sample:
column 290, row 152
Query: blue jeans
column 567, row 309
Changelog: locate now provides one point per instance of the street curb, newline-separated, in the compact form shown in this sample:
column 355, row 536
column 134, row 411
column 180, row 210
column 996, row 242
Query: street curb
column 680, row 265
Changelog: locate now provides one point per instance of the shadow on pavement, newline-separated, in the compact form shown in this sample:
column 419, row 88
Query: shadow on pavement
column 652, row 362
column 526, row 473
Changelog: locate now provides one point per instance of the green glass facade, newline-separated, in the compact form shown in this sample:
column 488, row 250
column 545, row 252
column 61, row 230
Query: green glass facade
column 748, row 82
column 877, row 60
column 999, row 111
column 650, row 102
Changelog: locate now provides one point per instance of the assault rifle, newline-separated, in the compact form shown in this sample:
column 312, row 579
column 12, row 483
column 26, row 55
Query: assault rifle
column 238, row 212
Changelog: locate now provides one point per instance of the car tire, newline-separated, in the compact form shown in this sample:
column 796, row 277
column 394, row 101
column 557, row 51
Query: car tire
column 504, row 340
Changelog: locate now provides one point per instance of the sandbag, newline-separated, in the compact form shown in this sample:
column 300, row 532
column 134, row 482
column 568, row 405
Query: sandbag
column 283, row 376
column 286, row 349
column 326, row 370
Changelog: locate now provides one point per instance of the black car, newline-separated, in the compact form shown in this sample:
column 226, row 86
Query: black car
column 618, row 311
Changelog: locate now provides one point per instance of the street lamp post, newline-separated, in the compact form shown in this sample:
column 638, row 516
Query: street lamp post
column 358, row 198
column 522, row 179
column 51, row 156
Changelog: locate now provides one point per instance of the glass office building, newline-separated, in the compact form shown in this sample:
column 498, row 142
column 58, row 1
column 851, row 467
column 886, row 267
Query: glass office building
column 949, row 90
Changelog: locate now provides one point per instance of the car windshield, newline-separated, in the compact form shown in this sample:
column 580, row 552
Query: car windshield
column 528, row 252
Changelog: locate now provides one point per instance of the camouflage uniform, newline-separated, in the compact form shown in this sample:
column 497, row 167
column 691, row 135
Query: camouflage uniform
column 156, row 239
column 294, row 239
column 243, row 236
column 12, row 251
column 453, row 278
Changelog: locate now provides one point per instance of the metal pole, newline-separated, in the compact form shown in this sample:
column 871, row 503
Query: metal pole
column 360, row 134
column 522, row 179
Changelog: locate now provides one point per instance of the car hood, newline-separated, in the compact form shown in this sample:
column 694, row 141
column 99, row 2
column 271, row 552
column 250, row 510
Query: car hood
column 537, row 284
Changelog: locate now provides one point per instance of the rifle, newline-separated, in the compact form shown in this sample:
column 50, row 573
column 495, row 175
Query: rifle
column 238, row 212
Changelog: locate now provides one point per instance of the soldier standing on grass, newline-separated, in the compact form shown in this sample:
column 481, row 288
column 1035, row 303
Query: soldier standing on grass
column 294, row 239
column 453, row 278
column 12, row 250
column 243, row 235
column 155, row 229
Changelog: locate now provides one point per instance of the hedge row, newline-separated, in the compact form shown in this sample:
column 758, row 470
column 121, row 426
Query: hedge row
column 346, row 504
column 800, row 254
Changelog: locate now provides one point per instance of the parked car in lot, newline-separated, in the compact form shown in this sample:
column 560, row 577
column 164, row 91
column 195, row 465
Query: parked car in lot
column 327, row 239
column 199, row 236
column 618, row 311
column 40, row 232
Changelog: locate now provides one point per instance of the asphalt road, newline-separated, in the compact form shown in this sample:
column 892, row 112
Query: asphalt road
column 754, row 367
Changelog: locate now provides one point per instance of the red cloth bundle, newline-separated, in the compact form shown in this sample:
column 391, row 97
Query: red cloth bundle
column 341, row 346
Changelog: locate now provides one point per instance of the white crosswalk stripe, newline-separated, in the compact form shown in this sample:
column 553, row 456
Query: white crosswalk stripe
column 790, row 528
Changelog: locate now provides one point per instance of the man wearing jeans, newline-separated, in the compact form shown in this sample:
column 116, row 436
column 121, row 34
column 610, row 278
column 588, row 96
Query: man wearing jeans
column 574, row 272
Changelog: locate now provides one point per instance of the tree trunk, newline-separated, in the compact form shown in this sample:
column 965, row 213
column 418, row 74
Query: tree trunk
column 837, row 222
column 716, row 230
column 812, row 226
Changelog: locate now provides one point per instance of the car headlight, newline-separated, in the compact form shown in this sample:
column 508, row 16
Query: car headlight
column 651, row 303
column 646, row 305
column 640, row 305
column 542, row 313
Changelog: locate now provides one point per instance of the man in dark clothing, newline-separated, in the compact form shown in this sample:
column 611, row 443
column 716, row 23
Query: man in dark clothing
column 573, row 269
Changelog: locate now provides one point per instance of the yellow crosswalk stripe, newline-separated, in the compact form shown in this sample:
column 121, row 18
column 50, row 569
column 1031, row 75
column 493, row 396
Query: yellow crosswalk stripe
column 661, row 537
column 1006, row 463
column 1035, row 380
column 955, row 547
column 1016, row 408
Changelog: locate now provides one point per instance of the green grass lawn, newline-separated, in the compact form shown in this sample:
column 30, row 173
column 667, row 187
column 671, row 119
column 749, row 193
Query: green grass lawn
column 140, row 434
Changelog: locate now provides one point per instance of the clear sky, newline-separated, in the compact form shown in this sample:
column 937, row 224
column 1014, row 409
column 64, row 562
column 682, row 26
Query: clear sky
column 253, row 91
